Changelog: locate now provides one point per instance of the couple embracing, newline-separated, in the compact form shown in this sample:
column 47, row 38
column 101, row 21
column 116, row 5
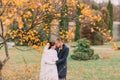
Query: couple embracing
column 54, row 61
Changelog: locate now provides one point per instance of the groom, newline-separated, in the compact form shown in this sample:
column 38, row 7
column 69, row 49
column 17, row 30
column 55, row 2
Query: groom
column 62, row 51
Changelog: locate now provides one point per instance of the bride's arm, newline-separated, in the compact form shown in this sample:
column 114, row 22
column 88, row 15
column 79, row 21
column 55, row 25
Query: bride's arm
column 46, row 47
column 55, row 56
column 50, row 62
column 47, row 59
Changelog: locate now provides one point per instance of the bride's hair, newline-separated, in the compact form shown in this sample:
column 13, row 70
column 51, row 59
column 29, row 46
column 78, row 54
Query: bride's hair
column 51, row 44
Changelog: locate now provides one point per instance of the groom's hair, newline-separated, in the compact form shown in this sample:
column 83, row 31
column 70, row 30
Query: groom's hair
column 58, row 39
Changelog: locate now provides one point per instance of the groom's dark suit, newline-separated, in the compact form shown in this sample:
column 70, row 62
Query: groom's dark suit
column 62, row 61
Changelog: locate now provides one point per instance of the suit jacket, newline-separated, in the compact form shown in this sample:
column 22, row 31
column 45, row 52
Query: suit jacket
column 62, row 61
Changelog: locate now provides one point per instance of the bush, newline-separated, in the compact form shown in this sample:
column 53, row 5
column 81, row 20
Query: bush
column 83, row 51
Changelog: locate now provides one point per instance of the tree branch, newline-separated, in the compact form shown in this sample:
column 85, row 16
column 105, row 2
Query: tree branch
column 5, row 41
column 4, row 7
column 2, row 27
column 34, row 18
column 0, row 2
column 1, row 46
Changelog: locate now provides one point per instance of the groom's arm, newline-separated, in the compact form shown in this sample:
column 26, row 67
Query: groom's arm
column 64, row 57
column 57, row 49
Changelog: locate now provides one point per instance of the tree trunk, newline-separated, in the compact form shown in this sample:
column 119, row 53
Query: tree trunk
column 1, row 70
column 0, row 74
column 4, row 61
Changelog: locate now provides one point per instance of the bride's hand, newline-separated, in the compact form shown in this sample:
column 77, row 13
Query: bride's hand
column 54, row 62
column 50, row 63
column 48, row 44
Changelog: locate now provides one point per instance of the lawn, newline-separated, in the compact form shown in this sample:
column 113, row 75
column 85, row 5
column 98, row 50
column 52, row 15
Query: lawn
column 24, row 65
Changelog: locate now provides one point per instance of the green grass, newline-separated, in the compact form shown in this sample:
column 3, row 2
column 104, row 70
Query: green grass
column 106, row 68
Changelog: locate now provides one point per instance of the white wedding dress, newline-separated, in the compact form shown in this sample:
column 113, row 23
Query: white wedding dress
column 48, row 67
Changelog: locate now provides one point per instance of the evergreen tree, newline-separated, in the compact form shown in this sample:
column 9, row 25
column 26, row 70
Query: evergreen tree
column 77, row 31
column 64, row 20
column 95, row 7
column 110, row 9
column 83, row 51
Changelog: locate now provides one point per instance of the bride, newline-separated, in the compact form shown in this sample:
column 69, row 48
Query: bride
column 48, row 63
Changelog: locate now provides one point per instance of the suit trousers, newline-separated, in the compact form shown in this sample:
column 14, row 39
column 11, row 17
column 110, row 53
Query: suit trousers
column 62, row 79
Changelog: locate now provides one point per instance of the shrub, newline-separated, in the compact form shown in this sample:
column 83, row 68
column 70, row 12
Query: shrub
column 83, row 51
column 95, row 6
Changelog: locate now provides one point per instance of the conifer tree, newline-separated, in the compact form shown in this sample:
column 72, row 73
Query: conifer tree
column 77, row 31
column 110, row 9
column 64, row 20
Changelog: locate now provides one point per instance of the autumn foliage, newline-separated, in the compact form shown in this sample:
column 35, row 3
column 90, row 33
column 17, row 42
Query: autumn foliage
column 33, row 20
column 29, row 22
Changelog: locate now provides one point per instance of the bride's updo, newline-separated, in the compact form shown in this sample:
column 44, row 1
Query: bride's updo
column 51, row 44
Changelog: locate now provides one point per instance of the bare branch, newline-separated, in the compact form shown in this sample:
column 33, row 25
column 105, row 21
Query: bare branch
column 2, row 27
column 1, row 46
column 34, row 18
column 5, row 60
column 5, row 40
column 1, row 36
column 4, row 7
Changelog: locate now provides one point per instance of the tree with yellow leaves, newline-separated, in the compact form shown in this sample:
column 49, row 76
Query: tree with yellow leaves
column 28, row 16
column 88, row 20
column 31, row 20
